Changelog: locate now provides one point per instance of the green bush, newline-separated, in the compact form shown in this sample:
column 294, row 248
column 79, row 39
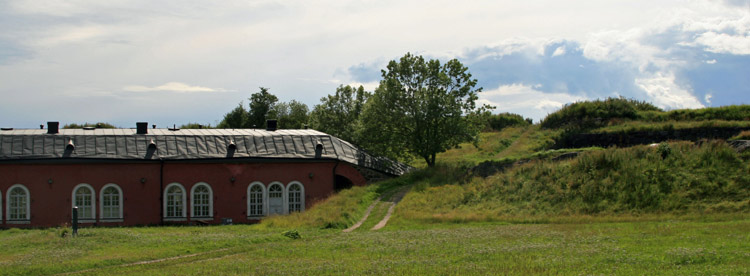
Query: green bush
column 500, row 121
column 594, row 114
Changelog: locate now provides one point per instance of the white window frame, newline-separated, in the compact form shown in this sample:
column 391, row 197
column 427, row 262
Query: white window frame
column 1, row 207
column 184, row 201
column 302, row 196
column 93, row 202
column 284, row 209
column 28, row 205
column 210, row 201
column 121, row 199
column 264, row 198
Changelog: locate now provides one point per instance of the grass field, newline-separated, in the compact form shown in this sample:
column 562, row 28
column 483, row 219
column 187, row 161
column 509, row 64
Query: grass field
column 696, row 246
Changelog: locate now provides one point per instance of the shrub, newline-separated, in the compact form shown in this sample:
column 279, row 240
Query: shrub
column 593, row 114
column 500, row 121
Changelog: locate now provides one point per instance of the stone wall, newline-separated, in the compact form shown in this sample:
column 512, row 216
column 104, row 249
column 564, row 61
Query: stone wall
column 626, row 139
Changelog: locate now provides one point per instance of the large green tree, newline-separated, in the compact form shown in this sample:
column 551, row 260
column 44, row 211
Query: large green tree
column 261, row 104
column 422, row 108
column 338, row 114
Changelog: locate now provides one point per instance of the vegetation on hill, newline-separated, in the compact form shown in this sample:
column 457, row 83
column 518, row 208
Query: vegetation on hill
column 582, row 116
column 598, row 113
column 745, row 135
column 94, row 125
column 500, row 121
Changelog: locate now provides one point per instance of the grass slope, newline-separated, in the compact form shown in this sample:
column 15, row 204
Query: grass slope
column 690, row 179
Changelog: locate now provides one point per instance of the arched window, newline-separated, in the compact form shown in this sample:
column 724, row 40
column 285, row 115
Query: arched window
column 84, row 197
column 296, row 196
column 203, row 201
column 174, row 202
column 276, row 199
column 256, row 200
column 18, row 207
column 110, row 202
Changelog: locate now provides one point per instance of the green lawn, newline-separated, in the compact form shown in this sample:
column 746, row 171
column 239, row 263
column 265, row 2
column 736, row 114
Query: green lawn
column 641, row 247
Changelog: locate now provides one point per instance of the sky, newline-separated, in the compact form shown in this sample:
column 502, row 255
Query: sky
column 177, row 62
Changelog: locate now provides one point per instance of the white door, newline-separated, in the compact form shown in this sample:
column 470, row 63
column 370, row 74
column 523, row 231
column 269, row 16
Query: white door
column 275, row 199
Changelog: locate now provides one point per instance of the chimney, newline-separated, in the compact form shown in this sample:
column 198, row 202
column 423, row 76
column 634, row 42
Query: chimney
column 271, row 125
column 52, row 127
column 141, row 128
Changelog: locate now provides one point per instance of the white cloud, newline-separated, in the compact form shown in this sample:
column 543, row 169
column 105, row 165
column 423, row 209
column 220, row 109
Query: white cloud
column 712, row 61
column 172, row 87
column 526, row 100
column 707, row 98
column 559, row 51
column 725, row 43
column 666, row 94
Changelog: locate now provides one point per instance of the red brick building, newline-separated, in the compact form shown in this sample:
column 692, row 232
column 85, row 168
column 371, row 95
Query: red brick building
column 168, row 176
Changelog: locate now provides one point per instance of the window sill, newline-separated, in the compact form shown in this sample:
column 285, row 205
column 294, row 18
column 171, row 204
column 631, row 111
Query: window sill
column 175, row 219
column 86, row 220
column 18, row 221
column 111, row 220
column 201, row 218
column 256, row 217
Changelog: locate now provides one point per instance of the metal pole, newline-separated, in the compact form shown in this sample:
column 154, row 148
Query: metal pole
column 75, row 221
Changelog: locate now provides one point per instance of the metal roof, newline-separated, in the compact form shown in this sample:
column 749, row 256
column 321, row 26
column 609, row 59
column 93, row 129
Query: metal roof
column 185, row 144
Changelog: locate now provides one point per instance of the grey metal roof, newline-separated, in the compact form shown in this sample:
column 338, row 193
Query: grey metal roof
column 185, row 144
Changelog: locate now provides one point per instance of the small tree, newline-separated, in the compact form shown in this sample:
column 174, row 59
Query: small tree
column 422, row 108
column 338, row 114
column 261, row 104
column 237, row 118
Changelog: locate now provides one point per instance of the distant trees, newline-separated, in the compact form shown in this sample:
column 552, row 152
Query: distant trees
column 338, row 114
column 94, row 125
column 237, row 118
column 292, row 115
column 263, row 106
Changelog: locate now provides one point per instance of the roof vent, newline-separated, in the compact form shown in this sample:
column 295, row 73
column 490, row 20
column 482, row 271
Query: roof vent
column 271, row 125
column 41, row 126
column 89, row 128
column 70, row 146
column 318, row 150
column 232, row 145
column 52, row 127
column 152, row 145
column 6, row 128
column 141, row 128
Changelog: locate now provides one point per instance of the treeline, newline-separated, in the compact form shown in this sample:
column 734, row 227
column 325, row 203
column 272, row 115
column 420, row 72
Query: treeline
column 420, row 108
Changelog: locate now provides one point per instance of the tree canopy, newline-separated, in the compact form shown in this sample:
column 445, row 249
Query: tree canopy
column 422, row 108
column 261, row 103
column 338, row 114
column 292, row 115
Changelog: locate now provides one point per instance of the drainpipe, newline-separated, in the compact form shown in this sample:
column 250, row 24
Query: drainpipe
column 161, row 190
column 334, row 174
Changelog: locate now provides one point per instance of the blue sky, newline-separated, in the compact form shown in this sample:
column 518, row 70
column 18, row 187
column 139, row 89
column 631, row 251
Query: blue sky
column 174, row 62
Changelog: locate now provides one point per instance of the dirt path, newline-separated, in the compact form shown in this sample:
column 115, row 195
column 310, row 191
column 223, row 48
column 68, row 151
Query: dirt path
column 394, row 200
column 364, row 218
